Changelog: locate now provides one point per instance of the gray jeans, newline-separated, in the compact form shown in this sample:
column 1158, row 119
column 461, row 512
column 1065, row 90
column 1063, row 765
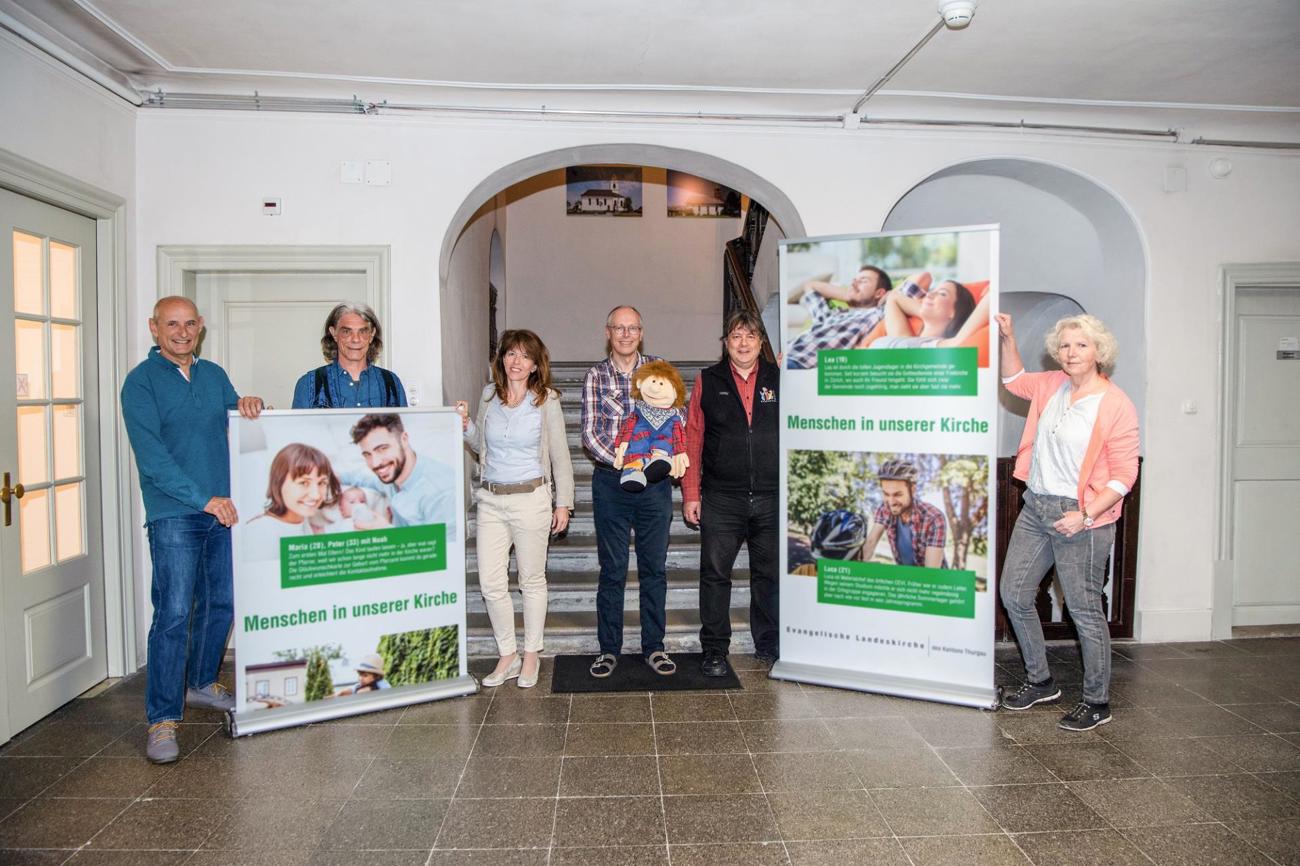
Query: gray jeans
column 1081, row 567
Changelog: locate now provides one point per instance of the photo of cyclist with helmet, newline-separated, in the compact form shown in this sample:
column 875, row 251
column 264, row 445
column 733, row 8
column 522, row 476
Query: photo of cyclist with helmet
column 917, row 530
column 932, row 508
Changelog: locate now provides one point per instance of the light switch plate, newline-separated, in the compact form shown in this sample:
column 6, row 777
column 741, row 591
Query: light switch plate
column 352, row 171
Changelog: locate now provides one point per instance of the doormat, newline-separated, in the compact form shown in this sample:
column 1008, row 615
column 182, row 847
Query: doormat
column 572, row 675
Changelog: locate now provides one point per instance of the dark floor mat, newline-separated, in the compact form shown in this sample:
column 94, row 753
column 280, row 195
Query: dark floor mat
column 634, row 675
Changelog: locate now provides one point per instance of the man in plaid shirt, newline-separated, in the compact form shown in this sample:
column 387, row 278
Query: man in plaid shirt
column 606, row 402
column 917, row 530
column 835, row 326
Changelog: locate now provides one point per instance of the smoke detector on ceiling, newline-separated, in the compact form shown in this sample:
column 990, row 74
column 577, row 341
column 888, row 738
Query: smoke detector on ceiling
column 957, row 13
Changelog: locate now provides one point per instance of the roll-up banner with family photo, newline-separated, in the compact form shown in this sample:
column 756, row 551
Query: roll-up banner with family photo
column 889, row 403
column 349, row 563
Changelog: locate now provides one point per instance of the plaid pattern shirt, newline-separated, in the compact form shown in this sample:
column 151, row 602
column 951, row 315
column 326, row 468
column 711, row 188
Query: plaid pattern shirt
column 606, row 401
column 929, row 529
column 831, row 329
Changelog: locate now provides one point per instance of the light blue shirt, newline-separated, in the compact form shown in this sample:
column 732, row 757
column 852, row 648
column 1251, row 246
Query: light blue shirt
column 514, row 442
column 429, row 495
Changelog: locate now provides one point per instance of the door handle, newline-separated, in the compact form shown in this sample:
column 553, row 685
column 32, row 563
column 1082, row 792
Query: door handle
column 7, row 495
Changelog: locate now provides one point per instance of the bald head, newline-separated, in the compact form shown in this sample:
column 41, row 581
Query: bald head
column 176, row 326
column 172, row 300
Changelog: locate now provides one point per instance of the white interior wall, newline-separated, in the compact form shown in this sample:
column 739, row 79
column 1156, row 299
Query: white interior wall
column 203, row 174
column 570, row 270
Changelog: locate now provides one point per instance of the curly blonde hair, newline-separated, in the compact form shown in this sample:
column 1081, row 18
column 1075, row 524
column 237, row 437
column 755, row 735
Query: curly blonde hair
column 1094, row 329
column 663, row 370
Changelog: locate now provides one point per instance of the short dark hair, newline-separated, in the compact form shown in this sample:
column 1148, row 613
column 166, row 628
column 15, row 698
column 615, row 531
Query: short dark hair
column 882, row 279
column 390, row 422
column 330, row 349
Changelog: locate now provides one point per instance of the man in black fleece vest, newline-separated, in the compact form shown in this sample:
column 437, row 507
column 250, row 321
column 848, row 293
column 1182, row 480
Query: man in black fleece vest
column 730, row 488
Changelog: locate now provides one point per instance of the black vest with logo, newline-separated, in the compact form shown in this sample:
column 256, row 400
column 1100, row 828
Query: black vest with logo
column 739, row 457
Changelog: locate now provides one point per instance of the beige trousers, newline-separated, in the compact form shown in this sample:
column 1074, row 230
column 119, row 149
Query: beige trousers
column 524, row 521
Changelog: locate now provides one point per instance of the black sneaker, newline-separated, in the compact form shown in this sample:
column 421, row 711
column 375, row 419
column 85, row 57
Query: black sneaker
column 1030, row 694
column 1085, row 717
column 765, row 657
column 714, row 665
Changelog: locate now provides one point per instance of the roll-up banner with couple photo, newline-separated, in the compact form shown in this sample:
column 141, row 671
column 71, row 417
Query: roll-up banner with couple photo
column 888, row 463
column 349, row 563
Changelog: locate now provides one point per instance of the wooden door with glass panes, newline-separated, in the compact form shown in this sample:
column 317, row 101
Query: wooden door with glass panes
column 51, row 551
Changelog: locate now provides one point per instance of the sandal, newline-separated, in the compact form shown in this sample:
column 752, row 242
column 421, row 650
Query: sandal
column 661, row 664
column 604, row 665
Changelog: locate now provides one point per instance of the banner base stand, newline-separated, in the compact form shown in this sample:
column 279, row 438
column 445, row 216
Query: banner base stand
column 903, row 687
column 319, row 711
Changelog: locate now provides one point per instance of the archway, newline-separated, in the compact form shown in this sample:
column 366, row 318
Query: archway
column 465, row 257
column 1066, row 243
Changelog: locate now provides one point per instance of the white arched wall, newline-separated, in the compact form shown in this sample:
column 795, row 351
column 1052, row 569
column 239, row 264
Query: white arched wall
column 1061, row 233
column 465, row 256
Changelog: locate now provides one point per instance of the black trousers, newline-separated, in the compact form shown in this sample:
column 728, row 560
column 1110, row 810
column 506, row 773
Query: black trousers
column 728, row 520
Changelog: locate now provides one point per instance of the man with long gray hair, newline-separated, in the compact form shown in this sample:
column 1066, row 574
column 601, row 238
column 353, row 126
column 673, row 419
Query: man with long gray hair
column 352, row 341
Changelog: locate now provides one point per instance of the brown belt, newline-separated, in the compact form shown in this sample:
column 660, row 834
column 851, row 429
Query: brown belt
column 516, row 487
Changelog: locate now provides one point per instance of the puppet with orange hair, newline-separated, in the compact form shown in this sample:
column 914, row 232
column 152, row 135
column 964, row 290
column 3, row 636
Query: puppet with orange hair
column 651, row 443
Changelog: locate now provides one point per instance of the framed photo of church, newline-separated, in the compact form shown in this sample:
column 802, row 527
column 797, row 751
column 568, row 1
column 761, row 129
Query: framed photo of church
column 701, row 198
column 603, row 190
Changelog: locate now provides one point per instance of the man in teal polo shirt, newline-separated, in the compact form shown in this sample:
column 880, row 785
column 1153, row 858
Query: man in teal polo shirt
column 175, row 409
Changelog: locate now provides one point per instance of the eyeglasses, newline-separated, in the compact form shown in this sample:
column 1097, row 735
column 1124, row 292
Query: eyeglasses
column 360, row 333
column 625, row 329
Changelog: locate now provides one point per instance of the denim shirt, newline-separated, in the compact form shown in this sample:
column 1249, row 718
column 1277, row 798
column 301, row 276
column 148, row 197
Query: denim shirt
column 342, row 392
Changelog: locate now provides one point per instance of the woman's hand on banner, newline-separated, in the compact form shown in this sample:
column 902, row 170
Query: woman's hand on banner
column 462, row 409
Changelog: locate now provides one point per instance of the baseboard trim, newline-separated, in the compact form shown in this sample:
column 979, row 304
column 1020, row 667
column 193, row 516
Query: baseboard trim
column 1172, row 626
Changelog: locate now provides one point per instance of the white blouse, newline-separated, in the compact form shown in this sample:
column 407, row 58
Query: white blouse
column 513, row 439
column 1064, row 430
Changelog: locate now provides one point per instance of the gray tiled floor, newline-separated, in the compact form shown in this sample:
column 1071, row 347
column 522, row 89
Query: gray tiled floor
column 1201, row 765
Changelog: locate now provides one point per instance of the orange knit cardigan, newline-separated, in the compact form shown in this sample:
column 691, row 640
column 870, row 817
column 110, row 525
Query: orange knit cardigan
column 1112, row 451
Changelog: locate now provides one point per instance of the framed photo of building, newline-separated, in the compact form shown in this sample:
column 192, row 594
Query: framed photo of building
column 603, row 190
column 701, row 198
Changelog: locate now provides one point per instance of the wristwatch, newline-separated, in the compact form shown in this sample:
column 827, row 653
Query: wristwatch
column 1087, row 521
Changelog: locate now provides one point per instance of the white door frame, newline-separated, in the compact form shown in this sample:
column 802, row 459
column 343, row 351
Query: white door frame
column 1233, row 278
column 179, row 265
column 21, row 175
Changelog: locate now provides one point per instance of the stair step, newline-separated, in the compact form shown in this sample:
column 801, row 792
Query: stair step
column 582, row 558
column 575, row 632
column 586, row 581
column 583, row 598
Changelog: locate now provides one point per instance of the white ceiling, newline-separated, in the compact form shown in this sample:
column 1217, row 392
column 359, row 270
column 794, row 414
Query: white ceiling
column 1194, row 56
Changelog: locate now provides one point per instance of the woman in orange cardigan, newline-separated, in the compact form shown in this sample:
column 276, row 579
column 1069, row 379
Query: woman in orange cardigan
column 1079, row 458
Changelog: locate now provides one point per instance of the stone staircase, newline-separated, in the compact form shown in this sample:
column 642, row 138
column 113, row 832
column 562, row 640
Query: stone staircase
column 572, row 570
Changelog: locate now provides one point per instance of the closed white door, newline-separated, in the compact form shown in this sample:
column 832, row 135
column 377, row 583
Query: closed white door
column 265, row 328
column 51, row 549
column 1266, row 458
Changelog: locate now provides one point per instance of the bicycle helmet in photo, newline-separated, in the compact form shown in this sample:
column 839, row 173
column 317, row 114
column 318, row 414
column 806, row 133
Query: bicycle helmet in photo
column 838, row 534
column 898, row 470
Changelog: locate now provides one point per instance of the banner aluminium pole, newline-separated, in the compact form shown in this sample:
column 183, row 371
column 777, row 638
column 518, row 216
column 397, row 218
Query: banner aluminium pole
column 322, row 711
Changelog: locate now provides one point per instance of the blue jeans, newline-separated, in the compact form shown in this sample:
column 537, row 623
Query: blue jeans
column 193, row 608
column 617, row 515
column 1081, row 566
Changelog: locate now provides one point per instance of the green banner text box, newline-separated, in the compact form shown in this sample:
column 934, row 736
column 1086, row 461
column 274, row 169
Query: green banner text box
column 309, row 561
column 911, row 589
column 898, row 372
